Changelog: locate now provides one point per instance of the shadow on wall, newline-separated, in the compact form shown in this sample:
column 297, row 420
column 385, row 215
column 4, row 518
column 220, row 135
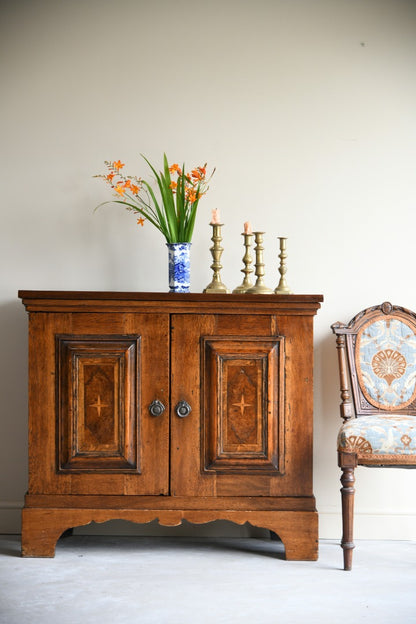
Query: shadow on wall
column 13, row 392
column 327, row 375
column 327, row 419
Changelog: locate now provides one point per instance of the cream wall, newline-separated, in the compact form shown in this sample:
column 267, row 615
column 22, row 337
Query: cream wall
column 308, row 110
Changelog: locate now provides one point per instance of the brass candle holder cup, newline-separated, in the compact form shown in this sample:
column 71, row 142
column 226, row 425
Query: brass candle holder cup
column 216, row 285
column 259, row 287
column 248, row 269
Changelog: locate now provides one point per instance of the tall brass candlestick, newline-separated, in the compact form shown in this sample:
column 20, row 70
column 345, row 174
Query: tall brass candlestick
column 282, row 288
column 259, row 287
column 248, row 269
column 216, row 285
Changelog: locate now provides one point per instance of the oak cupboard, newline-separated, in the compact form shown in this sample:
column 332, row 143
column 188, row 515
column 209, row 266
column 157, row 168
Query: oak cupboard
column 147, row 406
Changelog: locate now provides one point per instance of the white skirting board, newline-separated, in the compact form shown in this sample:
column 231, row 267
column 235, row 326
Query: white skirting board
column 371, row 524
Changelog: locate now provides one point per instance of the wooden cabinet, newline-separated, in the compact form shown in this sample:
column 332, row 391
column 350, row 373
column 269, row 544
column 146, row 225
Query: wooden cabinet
column 148, row 406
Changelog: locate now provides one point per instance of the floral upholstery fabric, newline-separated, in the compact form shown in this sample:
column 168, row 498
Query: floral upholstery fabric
column 385, row 355
column 380, row 439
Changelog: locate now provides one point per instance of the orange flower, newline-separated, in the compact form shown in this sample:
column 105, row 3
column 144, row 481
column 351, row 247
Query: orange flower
column 176, row 168
column 191, row 195
column 110, row 177
column 199, row 173
column 173, row 185
column 118, row 165
column 140, row 221
column 196, row 174
column 127, row 184
column 119, row 189
column 134, row 189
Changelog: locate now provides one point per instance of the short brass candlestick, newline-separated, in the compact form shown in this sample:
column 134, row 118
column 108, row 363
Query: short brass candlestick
column 248, row 269
column 216, row 286
column 259, row 288
column 282, row 288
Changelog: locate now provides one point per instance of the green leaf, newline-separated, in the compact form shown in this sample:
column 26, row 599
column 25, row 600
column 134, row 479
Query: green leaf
column 167, row 201
column 160, row 214
column 134, row 208
column 191, row 222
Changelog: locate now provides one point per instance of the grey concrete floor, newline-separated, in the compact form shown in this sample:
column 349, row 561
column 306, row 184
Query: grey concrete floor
column 177, row 580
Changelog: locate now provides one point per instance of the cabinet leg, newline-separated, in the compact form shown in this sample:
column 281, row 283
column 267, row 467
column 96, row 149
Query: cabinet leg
column 297, row 530
column 41, row 529
column 300, row 546
column 301, row 550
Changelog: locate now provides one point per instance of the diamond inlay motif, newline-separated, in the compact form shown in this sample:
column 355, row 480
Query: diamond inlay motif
column 242, row 405
column 98, row 405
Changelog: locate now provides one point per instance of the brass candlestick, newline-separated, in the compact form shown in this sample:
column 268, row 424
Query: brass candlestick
column 247, row 259
column 259, row 288
column 282, row 288
column 216, row 286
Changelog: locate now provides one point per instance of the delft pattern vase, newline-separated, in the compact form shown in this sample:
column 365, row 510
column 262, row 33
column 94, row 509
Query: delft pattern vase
column 179, row 267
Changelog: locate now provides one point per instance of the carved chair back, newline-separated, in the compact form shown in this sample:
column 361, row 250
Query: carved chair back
column 377, row 353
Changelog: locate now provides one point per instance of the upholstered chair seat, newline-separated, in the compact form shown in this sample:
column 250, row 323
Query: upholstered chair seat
column 380, row 440
column 377, row 366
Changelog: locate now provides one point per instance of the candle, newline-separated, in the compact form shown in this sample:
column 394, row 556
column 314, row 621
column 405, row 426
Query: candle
column 247, row 228
column 215, row 217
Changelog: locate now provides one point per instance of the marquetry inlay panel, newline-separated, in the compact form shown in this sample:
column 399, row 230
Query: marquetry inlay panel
column 98, row 407
column 243, row 404
column 97, row 398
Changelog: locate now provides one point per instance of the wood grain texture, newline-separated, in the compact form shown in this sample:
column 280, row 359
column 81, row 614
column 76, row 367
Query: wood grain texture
column 97, row 391
column 244, row 364
column 242, row 404
column 42, row 528
column 125, row 501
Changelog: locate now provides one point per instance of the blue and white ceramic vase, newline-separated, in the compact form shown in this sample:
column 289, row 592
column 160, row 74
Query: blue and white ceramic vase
column 179, row 267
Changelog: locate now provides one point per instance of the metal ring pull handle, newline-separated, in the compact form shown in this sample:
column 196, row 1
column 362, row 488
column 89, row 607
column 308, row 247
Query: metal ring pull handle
column 156, row 408
column 183, row 409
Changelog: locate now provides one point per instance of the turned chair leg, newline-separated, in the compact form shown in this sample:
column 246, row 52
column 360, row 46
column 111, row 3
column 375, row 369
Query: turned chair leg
column 347, row 497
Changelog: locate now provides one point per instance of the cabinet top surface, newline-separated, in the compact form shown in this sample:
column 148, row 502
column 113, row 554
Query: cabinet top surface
column 155, row 296
column 76, row 301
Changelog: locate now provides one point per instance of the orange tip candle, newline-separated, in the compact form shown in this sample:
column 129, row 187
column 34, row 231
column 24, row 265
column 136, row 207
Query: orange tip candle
column 215, row 217
column 247, row 228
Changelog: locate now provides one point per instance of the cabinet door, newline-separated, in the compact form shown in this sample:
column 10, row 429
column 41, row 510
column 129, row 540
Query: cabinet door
column 93, row 378
column 230, row 369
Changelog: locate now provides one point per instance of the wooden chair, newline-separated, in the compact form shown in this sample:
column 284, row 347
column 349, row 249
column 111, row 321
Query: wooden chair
column 377, row 366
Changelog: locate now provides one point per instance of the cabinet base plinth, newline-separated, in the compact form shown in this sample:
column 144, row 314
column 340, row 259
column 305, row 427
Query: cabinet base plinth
column 42, row 527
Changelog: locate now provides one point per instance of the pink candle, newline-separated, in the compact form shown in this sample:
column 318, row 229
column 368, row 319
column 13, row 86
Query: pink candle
column 247, row 228
column 215, row 217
